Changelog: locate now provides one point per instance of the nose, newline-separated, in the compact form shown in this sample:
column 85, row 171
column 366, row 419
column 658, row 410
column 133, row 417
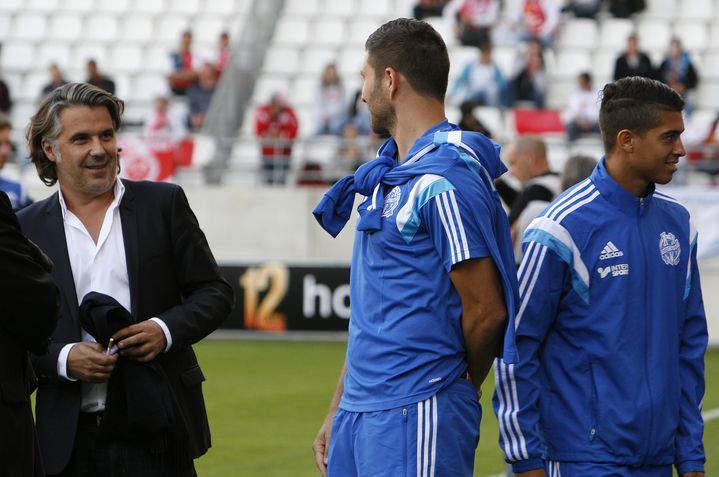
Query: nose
column 679, row 148
column 96, row 148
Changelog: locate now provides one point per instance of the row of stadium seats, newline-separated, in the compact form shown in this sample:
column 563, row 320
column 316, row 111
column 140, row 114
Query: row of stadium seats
column 155, row 7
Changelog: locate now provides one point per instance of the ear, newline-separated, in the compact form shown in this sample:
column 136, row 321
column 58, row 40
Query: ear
column 391, row 77
column 625, row 141
column 47, row 149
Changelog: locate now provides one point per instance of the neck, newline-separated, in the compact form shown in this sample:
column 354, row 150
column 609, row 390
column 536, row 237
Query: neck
column 619, row 171
column 82, row 204
column 414, row 120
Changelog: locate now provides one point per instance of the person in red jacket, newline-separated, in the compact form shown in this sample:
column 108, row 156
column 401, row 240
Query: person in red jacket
column 276, row 126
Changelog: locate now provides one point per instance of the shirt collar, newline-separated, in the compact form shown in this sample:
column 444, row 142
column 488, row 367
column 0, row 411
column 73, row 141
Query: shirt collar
column 118, row 192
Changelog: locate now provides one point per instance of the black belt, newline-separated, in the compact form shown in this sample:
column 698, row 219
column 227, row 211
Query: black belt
column 90, row 418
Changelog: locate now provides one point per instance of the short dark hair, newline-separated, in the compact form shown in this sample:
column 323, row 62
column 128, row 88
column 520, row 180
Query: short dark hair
column 5, row 122
column 414, row 49
column 576, row 169
column 46, row 124
column 634, row 103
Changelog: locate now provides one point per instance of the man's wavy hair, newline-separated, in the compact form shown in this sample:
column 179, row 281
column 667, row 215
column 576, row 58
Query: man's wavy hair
column 634, row 103
column 46, row 123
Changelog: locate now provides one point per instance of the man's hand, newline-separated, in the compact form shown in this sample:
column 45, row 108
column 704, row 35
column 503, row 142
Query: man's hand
column 532, row 473
column 88, row 362
column 321, row 445
column 142, row 341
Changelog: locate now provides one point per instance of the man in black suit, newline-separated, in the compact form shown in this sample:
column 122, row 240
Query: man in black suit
column 29, row 303
column 139, row 243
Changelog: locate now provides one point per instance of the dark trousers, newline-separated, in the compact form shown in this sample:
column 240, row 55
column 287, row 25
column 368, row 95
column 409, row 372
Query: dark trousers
column 93, row 456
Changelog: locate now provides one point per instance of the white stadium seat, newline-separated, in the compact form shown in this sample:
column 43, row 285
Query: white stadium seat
column 17, row 55
column 53, row 52
column 360, row 29
column 29, row 26
column 112, row 6
column 292, row 30
column 136, row 28
column 315, row 58
column 168, row 29
column 101, row 27
column 281, row 59
column 147, row 6
column 188, row 7
column 579, row 33
column 571, row 63
column 221, row 7
column 350, row 60
column 302, row 7
column 65, row 26
column 654, row 34
column 708, row 94
column 665, row 9
column 5, row 24
column 268, row 84
column 692, row 33
column 11, row 5
column 207, row 29
column 32, row 85
column 147, row 87
column 87, row 51
column 126, row 58
column 345, row 8
column 710, row 66
column 330, row 31
column 614, row 33
column 303, row 90
column 41, row 5
column 696, row 9
column 376, row 8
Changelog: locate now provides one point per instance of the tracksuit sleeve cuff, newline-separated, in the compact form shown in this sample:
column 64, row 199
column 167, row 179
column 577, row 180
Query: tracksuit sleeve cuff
column 690, row 466
column 526, row 465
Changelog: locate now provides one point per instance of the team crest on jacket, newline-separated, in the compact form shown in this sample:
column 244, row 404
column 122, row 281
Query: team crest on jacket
column 391, row 201
column 670, row 248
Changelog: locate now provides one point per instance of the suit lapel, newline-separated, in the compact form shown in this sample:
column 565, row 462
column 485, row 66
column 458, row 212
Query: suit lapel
column 128, row 216
column 55, row 246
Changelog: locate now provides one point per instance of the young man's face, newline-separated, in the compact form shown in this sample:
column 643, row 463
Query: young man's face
column 382, row 114
column 86, row 153
column 657, row 153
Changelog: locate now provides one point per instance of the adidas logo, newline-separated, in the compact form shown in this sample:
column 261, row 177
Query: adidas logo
column 610, row 251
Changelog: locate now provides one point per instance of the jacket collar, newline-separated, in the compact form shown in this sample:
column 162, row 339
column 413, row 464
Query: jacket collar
column 617, row 195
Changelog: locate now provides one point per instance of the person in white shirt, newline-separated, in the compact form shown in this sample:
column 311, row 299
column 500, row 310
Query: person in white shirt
column 139, row 245
column 582, row 114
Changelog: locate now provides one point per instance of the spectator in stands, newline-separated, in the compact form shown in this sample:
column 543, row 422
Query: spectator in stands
column 677, row 71
column 331, row 102
column 576, row 169
column 354, row 149
column 17, row 193
column 183, row 65
column 481, row 82
column 358, row 114
column 57, row 79
column 199, row 95
column 537, row 19
column 626, row 8
column 223, row 52
column 428, row 8
column 95, row 78
column 162, row 124
column 582, row 8
column 472, row 19
column 582, row 113
column 530, row 82
column 633, row 61
column 5, row 97
column 527, row 161
column 276, row 125
column 469, row 122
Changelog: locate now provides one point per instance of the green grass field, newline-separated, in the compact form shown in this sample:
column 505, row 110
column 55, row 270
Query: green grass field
column 266, row 401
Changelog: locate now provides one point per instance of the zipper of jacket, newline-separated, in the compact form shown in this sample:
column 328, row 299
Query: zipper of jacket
column 645, row 271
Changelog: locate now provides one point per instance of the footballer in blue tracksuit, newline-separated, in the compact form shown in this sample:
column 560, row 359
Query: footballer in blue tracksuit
column 432, row 284
column 611, row 331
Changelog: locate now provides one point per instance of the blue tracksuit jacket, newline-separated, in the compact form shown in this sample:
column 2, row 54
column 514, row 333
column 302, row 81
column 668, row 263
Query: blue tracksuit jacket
column 611, row 334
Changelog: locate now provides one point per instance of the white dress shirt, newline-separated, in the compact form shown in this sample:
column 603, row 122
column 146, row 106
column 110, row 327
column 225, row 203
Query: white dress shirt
column 99, row 267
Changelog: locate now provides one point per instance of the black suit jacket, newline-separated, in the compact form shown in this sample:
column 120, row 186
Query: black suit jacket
column 172, row 276
column 29, row 304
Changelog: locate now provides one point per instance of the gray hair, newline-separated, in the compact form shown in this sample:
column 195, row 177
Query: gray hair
column 576, row 169
column 46, row 124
